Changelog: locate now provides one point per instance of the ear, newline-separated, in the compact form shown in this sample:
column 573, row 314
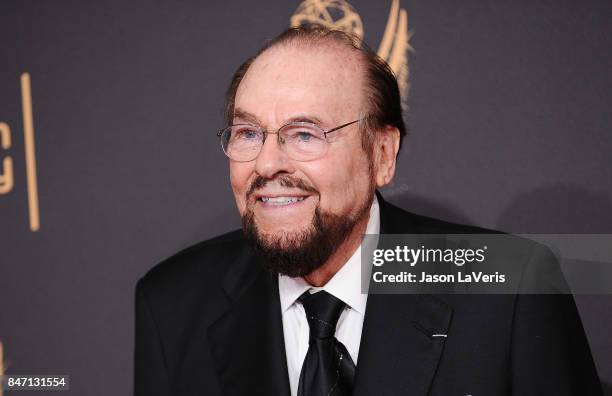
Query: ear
column 386, row 146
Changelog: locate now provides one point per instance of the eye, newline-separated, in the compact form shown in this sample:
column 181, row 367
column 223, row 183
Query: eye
column 246, row 133
column 304, row 136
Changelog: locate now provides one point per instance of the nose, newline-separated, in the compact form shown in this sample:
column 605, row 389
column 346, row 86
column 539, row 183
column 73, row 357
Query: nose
column 272, row 159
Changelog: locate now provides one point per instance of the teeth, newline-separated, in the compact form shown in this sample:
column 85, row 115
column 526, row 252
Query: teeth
column 281, row 200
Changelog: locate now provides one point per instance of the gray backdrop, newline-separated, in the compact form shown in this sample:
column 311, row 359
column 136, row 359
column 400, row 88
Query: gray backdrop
column 510, row 128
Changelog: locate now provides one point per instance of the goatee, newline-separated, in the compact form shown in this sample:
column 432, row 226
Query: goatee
column 300, row 253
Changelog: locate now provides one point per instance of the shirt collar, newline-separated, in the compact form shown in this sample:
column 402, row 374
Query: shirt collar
column 345, row 284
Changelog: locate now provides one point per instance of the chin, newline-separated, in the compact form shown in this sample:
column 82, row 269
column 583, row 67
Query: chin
column 283, row 237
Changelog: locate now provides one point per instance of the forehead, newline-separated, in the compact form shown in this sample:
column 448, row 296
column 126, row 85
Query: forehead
column 325, row 81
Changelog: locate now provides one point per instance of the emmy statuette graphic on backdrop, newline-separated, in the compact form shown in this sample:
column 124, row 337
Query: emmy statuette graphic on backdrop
column 339, row 14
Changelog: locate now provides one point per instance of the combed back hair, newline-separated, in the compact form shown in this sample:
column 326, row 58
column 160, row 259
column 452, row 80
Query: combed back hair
column 382, row 96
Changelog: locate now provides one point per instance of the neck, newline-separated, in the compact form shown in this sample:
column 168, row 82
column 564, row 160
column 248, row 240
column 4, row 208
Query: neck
column 324, row 273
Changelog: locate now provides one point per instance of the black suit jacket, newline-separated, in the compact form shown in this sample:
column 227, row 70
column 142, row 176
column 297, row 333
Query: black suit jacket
column 208, row 322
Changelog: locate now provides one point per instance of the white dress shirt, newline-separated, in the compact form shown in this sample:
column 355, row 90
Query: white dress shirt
column 345, row 285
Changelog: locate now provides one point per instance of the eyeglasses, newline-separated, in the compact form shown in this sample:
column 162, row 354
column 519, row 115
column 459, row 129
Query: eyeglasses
column 301, row 141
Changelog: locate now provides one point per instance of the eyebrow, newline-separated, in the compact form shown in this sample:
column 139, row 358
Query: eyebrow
column 246, row 116
column 305, row 118
column 249, row 117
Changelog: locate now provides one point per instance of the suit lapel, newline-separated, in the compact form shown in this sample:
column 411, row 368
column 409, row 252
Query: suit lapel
column 398, row 354
column 247, row 341
column 400, row 343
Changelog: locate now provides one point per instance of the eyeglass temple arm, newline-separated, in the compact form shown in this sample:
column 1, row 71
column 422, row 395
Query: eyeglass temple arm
column 341, row 126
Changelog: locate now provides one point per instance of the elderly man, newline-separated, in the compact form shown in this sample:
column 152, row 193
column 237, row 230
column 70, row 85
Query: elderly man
column 314, row 128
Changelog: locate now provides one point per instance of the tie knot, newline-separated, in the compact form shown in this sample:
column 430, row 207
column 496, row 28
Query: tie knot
column 322, row 312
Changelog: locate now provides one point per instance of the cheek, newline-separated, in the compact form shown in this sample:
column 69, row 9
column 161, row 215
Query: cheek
column 239, row 179
column 343, row 181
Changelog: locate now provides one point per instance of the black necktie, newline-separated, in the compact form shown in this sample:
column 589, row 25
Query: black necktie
column 328, row 369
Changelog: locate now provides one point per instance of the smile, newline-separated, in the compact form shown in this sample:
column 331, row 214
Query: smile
column 279, row 201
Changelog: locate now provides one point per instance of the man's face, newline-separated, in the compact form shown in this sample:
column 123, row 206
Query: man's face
column 302, row 83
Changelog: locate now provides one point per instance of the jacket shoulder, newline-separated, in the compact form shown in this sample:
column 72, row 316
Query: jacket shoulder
column 204, row 263
column 398, row 220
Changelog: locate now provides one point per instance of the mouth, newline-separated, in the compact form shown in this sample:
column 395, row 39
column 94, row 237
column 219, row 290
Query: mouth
column 280, row 200
column 282, row 211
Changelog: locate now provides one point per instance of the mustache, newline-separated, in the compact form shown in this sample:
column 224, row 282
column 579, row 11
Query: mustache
column 283, row 180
